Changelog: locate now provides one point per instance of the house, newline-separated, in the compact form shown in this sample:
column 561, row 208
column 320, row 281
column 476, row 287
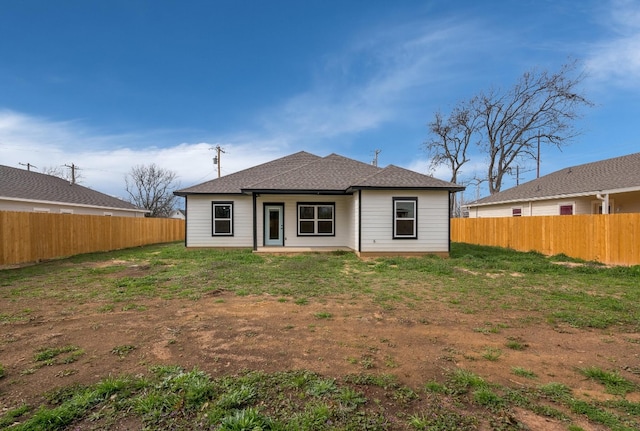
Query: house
column 178, row 213
column 303, row 202
column 605, row 187
column 22, row 190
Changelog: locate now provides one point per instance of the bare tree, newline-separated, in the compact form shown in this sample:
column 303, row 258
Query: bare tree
column 151, row 187
column 72, row 174
column 451, row 139
column 540, row 108
column 508, row 126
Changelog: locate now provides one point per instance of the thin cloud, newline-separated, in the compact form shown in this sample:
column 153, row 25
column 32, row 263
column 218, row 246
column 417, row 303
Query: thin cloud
column 616, row 59
column 105, row 159
column 379, row 77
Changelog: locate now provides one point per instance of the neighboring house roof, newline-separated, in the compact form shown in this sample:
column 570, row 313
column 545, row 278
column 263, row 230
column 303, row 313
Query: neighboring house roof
column 304, row 172
column 617, row 175
column 22, row 185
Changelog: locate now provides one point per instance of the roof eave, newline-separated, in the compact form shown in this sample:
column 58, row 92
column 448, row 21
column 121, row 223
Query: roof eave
column 185, row 194
column 41, row 202
column 298, row 191
column 556, row 197
column 432, row 188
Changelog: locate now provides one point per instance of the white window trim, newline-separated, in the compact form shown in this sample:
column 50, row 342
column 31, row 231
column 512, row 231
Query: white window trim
column 315, row 218
column 413, row 201
column 215, row 204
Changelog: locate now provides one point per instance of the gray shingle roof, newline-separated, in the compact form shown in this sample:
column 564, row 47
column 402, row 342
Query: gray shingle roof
column 617, row 174
column 396, row 177
column 305, row 172
column 234, row 183
column 34, row 186
column 331, row 173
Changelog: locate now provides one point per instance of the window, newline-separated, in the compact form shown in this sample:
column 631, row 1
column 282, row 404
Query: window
column 316, row 219
column 566, row 209
column 222, row 218
column 405, row 217
column 516, row 212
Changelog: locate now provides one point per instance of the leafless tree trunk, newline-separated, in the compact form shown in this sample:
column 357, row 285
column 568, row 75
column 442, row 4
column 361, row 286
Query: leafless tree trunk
column 452, row 137
column 507, row 126
column 541, row 106
column 151, row 187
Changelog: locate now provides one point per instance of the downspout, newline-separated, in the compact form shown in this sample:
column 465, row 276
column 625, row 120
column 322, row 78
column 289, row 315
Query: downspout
column 359, row 221
column 186, row 220
column 605, row 202
column 449, row 224
column 255, row 223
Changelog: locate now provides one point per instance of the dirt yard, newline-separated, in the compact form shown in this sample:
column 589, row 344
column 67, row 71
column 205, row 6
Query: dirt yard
column 224, row 333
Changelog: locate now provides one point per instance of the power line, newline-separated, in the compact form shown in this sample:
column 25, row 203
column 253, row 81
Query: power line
column 28, row 165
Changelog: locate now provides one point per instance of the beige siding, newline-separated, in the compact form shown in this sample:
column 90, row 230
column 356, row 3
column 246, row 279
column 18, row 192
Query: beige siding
column 343, row 220
column 11, row 205
column 199, row 227
column 497, row 210
column 619, row 203
column 377, row 222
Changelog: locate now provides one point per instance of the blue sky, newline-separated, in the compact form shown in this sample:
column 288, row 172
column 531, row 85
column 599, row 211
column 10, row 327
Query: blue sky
column 109, row 85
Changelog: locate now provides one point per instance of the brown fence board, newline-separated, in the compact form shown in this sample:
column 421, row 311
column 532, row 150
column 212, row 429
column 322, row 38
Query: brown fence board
column 611, row 239
column 32, row 237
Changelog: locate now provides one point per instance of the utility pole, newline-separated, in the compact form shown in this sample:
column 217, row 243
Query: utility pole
column 538, row 158
column 73, row 168
column 375, row 157
column 28, row 165
column 216, row 159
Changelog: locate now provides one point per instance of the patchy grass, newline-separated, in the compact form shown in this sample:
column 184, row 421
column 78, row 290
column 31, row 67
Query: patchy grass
column 612, row 380
column 47, row 356
column 173, row 398
column 474, row 279
column 523, row 372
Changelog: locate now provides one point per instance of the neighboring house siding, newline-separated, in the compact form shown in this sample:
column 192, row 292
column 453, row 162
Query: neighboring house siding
column 618, row 203
column 377, row 222
column 199, row 228
column 10, row 205
column 342, row 219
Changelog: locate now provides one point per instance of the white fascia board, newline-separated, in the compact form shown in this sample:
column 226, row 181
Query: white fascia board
column 556, row 197
column 71, row 204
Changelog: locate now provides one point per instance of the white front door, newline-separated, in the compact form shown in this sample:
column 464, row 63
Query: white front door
column 273, row 225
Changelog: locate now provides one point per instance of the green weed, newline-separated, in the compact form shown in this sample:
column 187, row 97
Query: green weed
column 123, row 350
column 491, row 354
column 523, row 372
column 612, row 380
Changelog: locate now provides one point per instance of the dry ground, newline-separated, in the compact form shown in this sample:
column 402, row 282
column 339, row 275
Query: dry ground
column 224, row 333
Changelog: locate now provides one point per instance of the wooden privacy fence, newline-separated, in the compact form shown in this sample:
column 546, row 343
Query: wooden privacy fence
column 31, row 237
column 612, row 239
